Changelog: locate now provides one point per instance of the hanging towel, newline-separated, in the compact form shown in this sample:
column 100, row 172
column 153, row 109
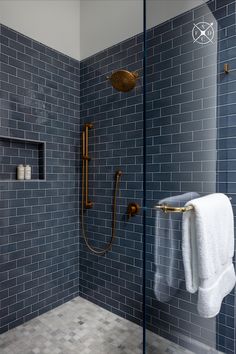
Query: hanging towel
column 208, row 249
column 169, row 274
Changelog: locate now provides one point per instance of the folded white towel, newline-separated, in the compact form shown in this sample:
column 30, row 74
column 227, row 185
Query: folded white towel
column 169, row 274
column 208, row 249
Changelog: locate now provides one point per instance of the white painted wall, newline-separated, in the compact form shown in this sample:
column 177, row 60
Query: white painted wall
column 107, row 22
column 80, row 28
column 55, row 23
column 159, row 11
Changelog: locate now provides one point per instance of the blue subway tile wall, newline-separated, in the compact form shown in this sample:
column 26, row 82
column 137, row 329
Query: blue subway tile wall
column 194, row 133
column 39, row 101
column 113, row 281
column 190, row 147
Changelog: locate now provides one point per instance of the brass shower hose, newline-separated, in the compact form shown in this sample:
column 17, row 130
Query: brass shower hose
column 114, row 207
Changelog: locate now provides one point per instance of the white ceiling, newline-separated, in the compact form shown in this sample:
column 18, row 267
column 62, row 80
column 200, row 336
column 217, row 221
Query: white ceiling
column 80, row 28
column 106, row 22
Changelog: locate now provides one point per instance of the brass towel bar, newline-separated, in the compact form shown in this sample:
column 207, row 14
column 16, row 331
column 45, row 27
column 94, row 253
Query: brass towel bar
column 171, row 209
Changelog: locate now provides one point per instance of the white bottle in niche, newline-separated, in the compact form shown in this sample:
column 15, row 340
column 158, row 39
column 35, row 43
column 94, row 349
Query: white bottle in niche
column 27, row 172
column 20, row 174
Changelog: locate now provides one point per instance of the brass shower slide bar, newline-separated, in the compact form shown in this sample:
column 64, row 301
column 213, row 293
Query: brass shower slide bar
column 171, row 209
column 85, row 161
column 85, row 203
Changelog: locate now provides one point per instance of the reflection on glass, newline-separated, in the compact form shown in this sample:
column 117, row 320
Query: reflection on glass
column 186, row 49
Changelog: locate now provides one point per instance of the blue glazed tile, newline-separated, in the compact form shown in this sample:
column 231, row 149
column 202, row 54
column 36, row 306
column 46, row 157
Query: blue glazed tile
column 180, row 157
column 29, row 193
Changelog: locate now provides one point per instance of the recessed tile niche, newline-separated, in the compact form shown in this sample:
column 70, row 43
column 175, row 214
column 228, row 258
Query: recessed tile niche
column 14, row 151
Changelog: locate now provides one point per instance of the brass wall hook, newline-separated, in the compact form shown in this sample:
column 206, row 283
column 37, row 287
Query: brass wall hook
column 226, row 68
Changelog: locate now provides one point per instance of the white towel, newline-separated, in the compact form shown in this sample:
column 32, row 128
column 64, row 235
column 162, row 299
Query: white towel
column 169, row 274
column 208, row 249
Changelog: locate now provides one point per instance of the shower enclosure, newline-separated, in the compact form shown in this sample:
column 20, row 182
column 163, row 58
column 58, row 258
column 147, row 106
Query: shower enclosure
column 147, row 115
column 172, row 134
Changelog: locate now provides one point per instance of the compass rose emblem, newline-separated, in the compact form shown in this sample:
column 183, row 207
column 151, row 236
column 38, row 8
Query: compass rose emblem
column 203, row 32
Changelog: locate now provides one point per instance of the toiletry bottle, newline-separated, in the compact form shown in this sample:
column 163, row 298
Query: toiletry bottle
column 20, row 174
column 27, row 172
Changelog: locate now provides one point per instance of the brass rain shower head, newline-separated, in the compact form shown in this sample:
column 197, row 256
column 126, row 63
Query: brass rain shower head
column 123, row 80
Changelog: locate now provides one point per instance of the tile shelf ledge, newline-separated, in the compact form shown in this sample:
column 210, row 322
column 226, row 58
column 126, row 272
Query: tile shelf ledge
column 22, row 180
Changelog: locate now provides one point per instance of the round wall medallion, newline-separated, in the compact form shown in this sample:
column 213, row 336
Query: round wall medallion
column 203, row 32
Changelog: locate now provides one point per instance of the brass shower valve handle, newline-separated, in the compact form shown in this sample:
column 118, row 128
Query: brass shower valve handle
column 133, row 209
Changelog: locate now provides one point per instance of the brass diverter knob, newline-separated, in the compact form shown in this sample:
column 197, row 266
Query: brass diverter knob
column 133, row 209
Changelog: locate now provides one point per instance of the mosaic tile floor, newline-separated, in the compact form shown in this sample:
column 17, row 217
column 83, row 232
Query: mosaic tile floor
column 80, row 327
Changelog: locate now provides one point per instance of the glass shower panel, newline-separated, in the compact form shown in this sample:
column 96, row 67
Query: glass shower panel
column 190, row 137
